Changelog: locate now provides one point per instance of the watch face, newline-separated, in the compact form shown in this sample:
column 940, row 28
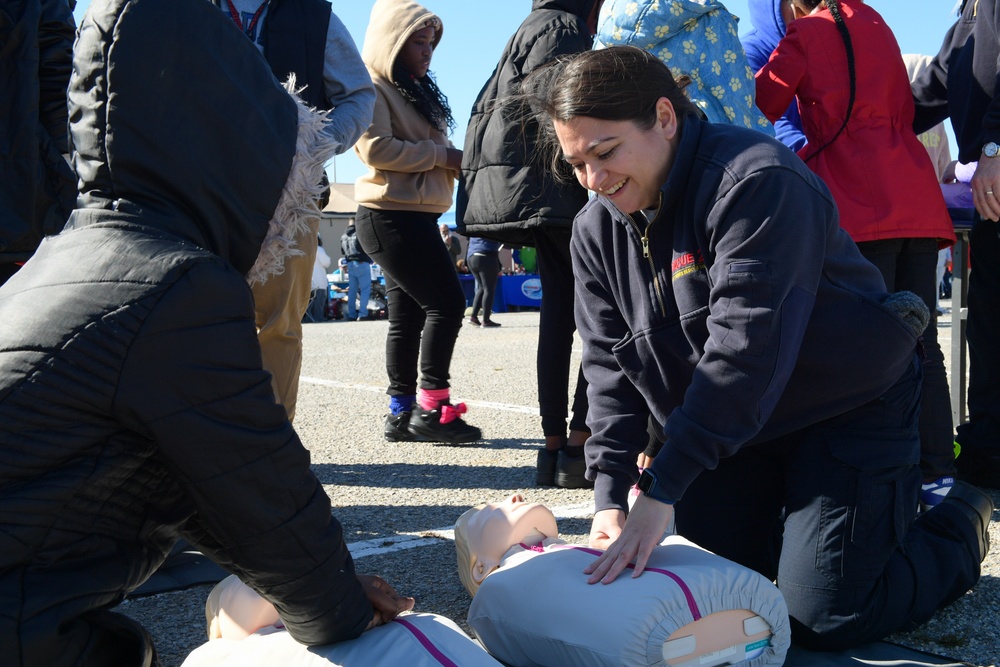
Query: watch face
column 646, row 481
column 991, row 149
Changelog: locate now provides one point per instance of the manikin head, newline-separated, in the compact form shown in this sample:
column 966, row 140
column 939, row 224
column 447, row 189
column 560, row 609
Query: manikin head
column 485, row 533
column 233, row 610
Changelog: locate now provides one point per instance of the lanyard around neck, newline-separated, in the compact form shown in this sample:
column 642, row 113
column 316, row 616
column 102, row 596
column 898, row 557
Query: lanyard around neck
column 234, row 13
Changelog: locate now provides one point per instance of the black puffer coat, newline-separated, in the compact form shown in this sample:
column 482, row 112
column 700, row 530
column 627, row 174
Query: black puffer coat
column 133, row 405
column 505, row 190
column 37, row 187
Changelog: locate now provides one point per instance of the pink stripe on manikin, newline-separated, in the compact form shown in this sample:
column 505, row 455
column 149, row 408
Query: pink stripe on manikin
column 688, row 595
column 425, row 642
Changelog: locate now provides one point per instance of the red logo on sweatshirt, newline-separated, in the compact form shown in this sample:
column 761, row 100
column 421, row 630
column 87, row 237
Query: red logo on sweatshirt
column 686, row 264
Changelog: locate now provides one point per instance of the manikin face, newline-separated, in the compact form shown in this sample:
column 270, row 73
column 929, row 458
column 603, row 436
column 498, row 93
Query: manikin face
column 415, row 56
column 498, row 526
column 618, row 159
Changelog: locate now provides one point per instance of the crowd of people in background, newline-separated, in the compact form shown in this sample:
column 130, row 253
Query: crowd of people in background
column 711, row 217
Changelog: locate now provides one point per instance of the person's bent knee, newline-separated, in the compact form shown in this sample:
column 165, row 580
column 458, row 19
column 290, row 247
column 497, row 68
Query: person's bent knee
column 831, row 632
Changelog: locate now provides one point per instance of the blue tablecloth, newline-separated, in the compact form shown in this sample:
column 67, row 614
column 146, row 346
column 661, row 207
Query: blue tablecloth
column 520, row 291
column 523, row 290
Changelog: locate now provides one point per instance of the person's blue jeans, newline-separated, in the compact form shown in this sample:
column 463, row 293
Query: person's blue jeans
column 359, row 279
column 829, row 512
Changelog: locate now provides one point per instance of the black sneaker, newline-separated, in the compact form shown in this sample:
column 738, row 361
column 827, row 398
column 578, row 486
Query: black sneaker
column 397, row 428
column 427, row 424
column 545, row 467
column 571, row 465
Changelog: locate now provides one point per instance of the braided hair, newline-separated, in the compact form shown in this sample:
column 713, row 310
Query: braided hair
column 834, row 8
column 424, row 94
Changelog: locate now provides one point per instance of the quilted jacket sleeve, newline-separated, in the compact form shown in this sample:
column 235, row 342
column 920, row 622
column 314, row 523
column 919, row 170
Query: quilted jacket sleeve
column 56, row 32
column 193, row 383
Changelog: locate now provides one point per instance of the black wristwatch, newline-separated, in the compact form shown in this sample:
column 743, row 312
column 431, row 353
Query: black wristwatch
column 649, row 487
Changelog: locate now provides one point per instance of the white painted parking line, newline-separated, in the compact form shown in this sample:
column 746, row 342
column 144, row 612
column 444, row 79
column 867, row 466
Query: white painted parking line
column 504, row 407
column 403, row 541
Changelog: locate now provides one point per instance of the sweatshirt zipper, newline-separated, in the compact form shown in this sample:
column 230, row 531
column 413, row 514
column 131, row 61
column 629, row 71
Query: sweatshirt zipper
column 644, row 239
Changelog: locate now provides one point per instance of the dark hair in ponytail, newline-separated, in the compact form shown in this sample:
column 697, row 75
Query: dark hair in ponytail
column 424, row 94
column 834, row 8
column 619, row 83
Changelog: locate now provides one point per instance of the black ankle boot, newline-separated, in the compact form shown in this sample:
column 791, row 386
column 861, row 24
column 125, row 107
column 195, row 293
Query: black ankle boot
column 545, row 467
column 977, row 507
column 570, row 468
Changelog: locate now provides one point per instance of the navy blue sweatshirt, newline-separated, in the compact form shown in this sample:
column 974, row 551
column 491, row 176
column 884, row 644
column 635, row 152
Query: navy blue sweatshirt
column 754, row 314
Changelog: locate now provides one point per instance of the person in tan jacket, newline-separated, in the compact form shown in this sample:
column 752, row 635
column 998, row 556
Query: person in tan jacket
column 412, row 167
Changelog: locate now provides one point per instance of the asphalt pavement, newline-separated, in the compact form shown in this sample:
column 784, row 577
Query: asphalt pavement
column 398, row 501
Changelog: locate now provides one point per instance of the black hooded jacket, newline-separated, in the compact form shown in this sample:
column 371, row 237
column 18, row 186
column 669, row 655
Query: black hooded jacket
column 133, row 405
column 37, row 187
column 505, row 190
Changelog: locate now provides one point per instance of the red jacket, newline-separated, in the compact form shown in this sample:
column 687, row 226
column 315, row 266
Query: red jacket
column 877, row 170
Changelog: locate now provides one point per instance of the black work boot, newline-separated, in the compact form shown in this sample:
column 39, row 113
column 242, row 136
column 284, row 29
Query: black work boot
column 977, row 507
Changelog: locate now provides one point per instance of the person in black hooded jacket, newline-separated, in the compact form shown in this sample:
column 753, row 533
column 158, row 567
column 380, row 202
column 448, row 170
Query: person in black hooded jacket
column 134, row 408
column 505, row 194
column 37, row 187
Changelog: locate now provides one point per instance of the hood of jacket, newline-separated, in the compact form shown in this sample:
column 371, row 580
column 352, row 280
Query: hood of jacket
column 617, row 16
column 580, row 8
column 768, row 27
column 178, row 123
column 391, row 24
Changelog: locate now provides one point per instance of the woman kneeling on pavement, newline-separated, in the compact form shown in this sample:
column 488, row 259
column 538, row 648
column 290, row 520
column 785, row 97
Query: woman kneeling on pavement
column 717, row 292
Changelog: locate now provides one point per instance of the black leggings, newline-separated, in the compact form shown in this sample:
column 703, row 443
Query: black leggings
column 555, row 335
column 485, row 268
column 426, row 301
column 910, row 264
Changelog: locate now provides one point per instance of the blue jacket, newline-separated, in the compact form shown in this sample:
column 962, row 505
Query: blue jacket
column 746, row 321
column 759, row 43
column 481, row 245
column 693, row 37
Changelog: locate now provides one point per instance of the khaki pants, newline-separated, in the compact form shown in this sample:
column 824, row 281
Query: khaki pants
column 279, row 306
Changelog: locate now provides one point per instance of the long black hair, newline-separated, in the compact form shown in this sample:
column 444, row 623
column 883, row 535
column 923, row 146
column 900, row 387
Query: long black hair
column 424, row 94
column 834, row 7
